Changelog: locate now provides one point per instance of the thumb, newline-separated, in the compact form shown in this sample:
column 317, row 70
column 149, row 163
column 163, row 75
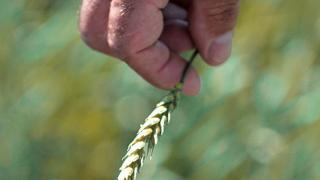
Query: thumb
column 211, row 26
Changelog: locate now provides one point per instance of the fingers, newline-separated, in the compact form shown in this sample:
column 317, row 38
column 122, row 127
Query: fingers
column 136, row 32
column 163, row 68
column 176, row 33
column 131, row 30
column 135, row 35
column 93, row 24
column 211, row 25
column 134, row 25
column 176, row 36
column 173, row 11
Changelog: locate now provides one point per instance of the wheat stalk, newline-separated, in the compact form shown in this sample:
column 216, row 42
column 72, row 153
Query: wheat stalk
column 150, row 131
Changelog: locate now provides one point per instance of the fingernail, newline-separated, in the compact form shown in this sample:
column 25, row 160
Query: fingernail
column 220, row 49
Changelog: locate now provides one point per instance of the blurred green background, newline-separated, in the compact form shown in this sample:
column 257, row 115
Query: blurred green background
column 67, row 112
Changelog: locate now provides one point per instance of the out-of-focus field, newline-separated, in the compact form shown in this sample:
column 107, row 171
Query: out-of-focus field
column 67, row 112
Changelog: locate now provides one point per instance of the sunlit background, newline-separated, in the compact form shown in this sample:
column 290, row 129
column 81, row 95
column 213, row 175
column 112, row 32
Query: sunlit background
column 67, row 112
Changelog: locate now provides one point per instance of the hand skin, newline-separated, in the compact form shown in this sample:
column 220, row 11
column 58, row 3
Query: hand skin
column 148, row 35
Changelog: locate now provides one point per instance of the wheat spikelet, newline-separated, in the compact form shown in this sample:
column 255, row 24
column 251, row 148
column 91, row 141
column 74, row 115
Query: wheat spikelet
column 148, row 136
column 150, row 131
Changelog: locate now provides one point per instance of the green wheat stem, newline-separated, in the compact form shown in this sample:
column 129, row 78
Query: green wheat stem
column 150, row 131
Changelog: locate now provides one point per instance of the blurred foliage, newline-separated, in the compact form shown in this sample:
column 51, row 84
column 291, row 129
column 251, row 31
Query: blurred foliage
column 67, row 112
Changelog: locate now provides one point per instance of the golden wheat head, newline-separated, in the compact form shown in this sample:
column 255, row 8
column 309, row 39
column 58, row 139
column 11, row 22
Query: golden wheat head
column 150, row 131
column 147, row 136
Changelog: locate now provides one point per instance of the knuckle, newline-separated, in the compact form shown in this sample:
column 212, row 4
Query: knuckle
column 94, row 40
column 120, row 47
column 224, row 12
column 124, row 43
column 87, row 36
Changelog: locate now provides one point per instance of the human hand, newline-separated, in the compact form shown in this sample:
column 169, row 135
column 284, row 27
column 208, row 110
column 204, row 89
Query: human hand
column 149, row 35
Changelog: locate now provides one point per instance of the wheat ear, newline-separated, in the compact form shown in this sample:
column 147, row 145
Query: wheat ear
column 150, row 131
